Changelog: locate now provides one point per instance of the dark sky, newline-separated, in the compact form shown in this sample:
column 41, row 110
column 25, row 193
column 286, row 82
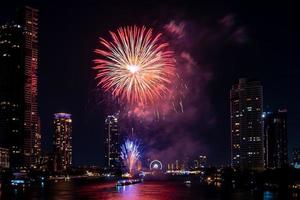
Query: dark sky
column 266, row 47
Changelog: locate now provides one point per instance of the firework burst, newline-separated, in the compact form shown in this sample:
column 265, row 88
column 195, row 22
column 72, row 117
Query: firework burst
column 130, row 154
column 136, row 67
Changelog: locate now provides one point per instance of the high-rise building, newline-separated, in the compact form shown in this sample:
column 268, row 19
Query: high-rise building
column 275, row 139
column 196, row 164
column 12, row 91
column 62, row 144
column 19, row 121
column 112, row 142
column 44, row 163
column 246, row 103
column 202, row 161
column 296, row 158
column 177, row 165
column 29, row 21
column 4, row 158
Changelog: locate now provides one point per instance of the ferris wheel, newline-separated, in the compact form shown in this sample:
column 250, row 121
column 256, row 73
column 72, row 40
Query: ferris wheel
column 156, row 165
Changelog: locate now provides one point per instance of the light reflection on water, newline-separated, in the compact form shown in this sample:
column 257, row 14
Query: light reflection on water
column 143, row 191
column 268, row 195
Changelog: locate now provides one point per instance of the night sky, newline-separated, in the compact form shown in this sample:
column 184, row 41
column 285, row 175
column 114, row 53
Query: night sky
column 233, row 40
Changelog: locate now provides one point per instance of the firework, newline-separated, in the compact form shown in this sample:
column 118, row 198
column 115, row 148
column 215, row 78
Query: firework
column 135, row 66
column 130, row 154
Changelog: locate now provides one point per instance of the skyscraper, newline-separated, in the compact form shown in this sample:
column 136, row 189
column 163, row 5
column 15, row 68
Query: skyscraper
column 19, row 120
column 246, row 102
column 4, row 158
column 112, row 142
column 29, row 20
column 275, row 139
column 296, row 158
column 202, row 161
column 62, row 144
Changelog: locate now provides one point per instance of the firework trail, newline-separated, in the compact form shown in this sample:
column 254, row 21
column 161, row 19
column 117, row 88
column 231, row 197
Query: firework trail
column 130, row 154
column 136, row 67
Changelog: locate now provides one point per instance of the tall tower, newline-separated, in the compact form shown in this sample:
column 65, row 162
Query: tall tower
column 275, row 139
column 246, row 103
column 62, row 144
column 29, row 20
column 112, row 142
column 19, row 122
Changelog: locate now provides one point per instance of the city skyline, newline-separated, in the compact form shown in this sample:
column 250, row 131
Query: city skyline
column 149, row 100
column 62, row 88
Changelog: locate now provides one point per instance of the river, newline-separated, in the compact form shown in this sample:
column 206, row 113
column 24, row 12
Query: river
column 148, row 190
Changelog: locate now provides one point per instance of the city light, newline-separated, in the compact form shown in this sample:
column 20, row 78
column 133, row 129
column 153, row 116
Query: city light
column 154, row 108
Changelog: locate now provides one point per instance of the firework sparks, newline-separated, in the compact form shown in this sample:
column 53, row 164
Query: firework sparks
column 135, row 66
column 130, row 154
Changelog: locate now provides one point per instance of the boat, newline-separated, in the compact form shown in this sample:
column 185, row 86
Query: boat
column 128, row 182
column 188, row 182
column 19, row 183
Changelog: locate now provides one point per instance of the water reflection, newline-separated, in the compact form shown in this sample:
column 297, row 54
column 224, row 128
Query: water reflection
column 127, row 192
column 144, row 191
column 268, row 195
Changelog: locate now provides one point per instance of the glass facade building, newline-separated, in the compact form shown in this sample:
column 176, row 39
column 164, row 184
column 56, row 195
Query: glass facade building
column 246, row 104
